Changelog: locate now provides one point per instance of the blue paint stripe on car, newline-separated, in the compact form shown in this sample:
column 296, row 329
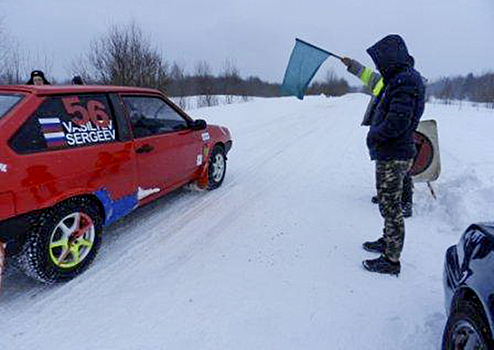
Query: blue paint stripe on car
column 115, row 210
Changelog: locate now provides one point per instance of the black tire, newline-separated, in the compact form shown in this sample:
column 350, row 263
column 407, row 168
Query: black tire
column 216, row 167
column 466, row 328
column 63, row 241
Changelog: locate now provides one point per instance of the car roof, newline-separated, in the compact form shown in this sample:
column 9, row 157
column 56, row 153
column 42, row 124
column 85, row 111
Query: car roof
column 64, row 89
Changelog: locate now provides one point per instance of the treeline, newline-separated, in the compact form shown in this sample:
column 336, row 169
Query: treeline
column 331, row 86
column 252, row 86
column 223, row 84
column 466, row 88
column 125, row 56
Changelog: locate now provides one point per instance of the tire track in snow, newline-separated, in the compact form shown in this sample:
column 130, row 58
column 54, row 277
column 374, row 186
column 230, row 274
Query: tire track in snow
column 199, row 209
column 125, row 241
column 167, row 229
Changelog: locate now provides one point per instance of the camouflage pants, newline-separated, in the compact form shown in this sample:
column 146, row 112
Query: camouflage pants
column 389, row 183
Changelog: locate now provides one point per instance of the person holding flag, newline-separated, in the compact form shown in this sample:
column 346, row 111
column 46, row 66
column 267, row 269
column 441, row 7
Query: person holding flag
column 393, row 116
column 375, row 82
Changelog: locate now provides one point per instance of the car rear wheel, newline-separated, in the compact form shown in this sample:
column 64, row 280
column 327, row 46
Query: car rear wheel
column 466, row 329
column 62, row 242
column 216, row 167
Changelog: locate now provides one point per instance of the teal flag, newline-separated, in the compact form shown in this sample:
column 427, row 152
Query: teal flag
column 304, row 62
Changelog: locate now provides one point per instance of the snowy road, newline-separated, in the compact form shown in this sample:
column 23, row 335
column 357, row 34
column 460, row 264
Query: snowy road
column 272, row 259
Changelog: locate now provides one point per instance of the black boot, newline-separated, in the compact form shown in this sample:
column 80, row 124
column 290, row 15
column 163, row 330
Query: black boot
column 382, row 265
column 378, row 246
column 407, row 209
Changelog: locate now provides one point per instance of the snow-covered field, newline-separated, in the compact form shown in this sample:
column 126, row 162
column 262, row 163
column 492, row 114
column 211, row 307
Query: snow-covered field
column 272, row 259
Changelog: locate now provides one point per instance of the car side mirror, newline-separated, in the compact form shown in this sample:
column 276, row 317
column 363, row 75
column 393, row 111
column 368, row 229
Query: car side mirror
column 199, row 124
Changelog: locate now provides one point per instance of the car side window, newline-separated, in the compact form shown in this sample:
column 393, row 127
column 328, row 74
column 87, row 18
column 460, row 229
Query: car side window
column 152, row 116
column 66, row 122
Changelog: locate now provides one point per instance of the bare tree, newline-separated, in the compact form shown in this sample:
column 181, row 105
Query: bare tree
column 16, row 66
column 205, row 86
column 10, row 68
column 3, row 47
column 178, row 85
column 231, row 80
column 38, row 61
column 83, row 68
column 124, row 56
column 331, row 86
column 13, row 71
column 447, row 91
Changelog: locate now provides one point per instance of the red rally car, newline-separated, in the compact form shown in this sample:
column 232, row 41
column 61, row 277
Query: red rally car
column 74, row 159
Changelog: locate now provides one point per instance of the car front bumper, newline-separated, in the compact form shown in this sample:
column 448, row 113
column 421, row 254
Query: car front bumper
column 451, row 276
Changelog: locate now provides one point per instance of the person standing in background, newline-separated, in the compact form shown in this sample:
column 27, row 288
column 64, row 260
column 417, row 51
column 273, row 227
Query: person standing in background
column 37, row 78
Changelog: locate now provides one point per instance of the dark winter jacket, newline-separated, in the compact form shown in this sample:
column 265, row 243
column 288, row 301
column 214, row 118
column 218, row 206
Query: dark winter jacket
column 401, row 104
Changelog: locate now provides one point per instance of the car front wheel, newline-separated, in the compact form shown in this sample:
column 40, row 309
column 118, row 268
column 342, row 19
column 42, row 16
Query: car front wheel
column 466, row 328
column 216, row 167
column 62, row 242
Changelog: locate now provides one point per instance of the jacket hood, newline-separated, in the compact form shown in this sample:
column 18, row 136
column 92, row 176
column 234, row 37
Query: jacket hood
column 390, row 55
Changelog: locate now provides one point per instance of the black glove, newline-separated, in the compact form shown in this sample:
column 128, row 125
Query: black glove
column 346, row 61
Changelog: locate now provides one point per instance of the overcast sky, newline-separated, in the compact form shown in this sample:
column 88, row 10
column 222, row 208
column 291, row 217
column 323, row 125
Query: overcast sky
column 446, row 37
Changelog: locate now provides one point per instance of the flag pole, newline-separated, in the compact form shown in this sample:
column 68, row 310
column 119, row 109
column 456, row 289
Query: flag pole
column 309, row 44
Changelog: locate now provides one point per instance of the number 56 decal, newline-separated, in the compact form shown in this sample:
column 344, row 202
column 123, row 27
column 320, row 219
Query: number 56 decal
column 95, row 112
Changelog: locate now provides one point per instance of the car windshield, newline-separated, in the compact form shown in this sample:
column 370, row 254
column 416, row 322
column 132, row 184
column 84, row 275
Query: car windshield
column 7, row 102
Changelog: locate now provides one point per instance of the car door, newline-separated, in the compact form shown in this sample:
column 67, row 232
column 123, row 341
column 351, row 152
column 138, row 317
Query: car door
column 71, row 144
column 168, row 150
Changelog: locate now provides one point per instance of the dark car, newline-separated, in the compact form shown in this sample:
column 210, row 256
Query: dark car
column 468, row 280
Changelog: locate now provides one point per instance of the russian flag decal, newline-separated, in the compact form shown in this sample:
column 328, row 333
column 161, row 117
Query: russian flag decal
column 53, row 132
